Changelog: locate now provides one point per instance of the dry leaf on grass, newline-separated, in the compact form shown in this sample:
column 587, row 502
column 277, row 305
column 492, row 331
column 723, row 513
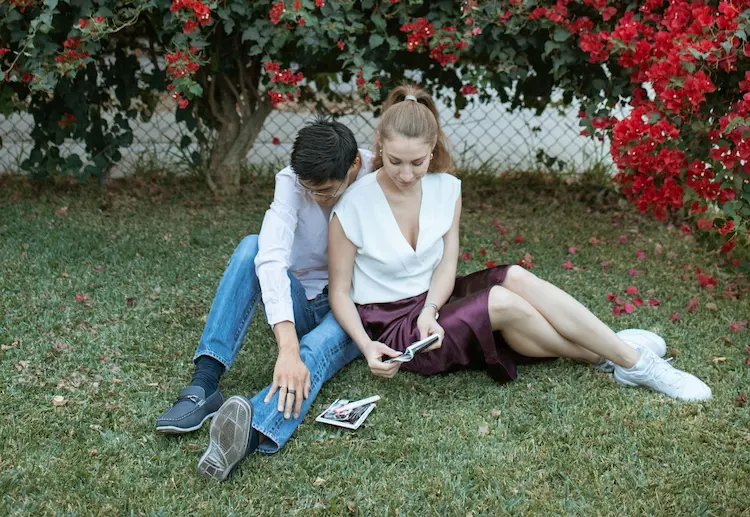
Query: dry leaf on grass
column 59, row 400
column 319, row 481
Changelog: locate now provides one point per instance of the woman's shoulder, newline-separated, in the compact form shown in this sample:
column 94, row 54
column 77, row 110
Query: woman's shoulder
column 443, row 181
column 358, row 190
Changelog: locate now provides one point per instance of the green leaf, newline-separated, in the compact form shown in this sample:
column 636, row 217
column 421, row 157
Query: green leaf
column 376, row 40
column 229, row 26
column 251, row 33
column 196, row 89
column 378, row 21
column 51, row 4
column 561, row 34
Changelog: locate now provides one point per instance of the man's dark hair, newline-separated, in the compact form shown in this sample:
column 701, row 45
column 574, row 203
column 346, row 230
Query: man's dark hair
column 323, row 151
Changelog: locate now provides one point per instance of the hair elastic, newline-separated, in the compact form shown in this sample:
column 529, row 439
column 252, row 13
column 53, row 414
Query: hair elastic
column 410, row 98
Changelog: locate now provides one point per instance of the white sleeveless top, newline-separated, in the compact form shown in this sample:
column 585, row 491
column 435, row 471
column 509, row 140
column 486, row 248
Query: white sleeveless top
column 386, row 267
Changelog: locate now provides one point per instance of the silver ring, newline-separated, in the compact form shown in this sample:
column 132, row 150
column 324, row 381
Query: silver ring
column 290, row 392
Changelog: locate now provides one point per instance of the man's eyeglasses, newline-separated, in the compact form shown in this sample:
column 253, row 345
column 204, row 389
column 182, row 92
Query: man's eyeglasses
column 322, row 194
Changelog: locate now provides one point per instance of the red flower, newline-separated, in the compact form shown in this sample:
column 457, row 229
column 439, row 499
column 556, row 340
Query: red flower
column 605, row 264
column 297, row 5
column 629, row 307
column 568, row 264
column 707, row 281
column 483, row 251
column 519, row 239
column 466, row 256
column 633, row 272
column 275, row 140
column 704, row 224
column 320, row 3
column 653, row 302
column 572, row 250
column 301, row 21
column 691, row 305
column 728, row 227
column 685, row 229
column 490, row 264
column 728, row 246
column 340, row 45
column 631, row 290
column 640, row 255
column 675, row 316
column 277, row 11
column 468, row 89
column 610, row 296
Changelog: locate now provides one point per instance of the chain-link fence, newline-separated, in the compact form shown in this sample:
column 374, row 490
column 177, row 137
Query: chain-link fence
column 484, row 135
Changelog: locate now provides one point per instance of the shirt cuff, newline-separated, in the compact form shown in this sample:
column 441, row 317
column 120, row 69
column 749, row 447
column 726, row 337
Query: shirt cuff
column 278, row 312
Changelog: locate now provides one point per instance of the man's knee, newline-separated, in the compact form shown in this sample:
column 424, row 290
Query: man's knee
column 246, row 250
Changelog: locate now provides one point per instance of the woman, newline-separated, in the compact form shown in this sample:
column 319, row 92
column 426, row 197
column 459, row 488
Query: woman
column 393, row 247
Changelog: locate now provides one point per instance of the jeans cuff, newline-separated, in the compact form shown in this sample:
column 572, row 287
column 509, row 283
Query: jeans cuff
column 271, row 444
column 227, row 364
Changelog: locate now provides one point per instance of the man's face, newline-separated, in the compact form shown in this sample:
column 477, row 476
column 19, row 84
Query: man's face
column 327, row 194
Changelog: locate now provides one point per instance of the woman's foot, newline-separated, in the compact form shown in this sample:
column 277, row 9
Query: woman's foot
column 232, row 437
column 656, row 373
column 635, row 337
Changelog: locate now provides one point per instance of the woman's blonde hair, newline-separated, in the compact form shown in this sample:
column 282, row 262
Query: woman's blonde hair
column 413, row 119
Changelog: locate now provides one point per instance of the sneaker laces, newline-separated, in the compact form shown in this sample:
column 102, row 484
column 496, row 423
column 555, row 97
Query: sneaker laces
column 663, row 370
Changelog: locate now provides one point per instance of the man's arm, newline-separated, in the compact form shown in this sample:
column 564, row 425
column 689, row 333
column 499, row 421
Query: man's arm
column 272, row 268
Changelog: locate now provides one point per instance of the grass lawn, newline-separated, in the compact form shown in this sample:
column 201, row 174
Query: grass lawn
column 103, row 299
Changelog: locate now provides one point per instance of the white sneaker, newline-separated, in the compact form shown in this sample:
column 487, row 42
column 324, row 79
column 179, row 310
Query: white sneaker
column 634, row 338
column 656, row 373
column 646, row 338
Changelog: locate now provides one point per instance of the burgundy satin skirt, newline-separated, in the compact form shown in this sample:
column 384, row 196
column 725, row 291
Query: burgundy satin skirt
column 469, row 340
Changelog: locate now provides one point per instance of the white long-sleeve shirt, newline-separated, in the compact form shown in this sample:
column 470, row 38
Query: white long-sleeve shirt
column 294, row 237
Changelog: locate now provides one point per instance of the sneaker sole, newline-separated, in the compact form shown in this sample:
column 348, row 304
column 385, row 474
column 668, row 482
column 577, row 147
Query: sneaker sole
column 171, row 429
column 235, row 413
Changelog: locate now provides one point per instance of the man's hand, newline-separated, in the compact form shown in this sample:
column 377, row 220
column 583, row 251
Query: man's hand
column 291, row 379
column 374, row 353
column 428, row 325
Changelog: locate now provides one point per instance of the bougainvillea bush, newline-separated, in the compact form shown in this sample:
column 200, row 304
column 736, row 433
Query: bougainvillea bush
column 86, row 69
column 666, row 81
column 680, row 138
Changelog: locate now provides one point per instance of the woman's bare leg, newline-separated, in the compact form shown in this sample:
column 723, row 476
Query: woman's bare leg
column 528, row 332
column 569, row 317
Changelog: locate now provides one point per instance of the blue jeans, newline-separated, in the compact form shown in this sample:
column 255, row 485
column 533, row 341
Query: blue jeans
column 324, row 346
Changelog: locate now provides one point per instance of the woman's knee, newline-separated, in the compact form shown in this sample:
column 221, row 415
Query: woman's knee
column 506, row 306
column 518, row 278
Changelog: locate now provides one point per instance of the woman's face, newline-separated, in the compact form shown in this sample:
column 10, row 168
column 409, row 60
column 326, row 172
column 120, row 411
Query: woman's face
column 406, row 160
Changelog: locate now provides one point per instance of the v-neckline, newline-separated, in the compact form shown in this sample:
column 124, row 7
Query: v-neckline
column 393, row 215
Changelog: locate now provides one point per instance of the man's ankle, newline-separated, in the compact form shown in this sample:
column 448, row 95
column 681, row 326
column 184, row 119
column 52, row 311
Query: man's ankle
column 207, row 373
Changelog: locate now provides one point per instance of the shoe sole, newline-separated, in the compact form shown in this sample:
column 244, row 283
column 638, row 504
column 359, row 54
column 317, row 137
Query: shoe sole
column 171, row 429
column 235, row 414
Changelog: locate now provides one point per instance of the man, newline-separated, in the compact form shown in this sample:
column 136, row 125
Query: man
column 287, row 266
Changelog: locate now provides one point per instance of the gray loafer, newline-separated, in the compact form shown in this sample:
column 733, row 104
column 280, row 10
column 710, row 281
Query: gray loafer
column 189, row 411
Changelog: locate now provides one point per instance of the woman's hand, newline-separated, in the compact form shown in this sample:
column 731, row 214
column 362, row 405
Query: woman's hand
column 428, row 325
column 374, row 352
